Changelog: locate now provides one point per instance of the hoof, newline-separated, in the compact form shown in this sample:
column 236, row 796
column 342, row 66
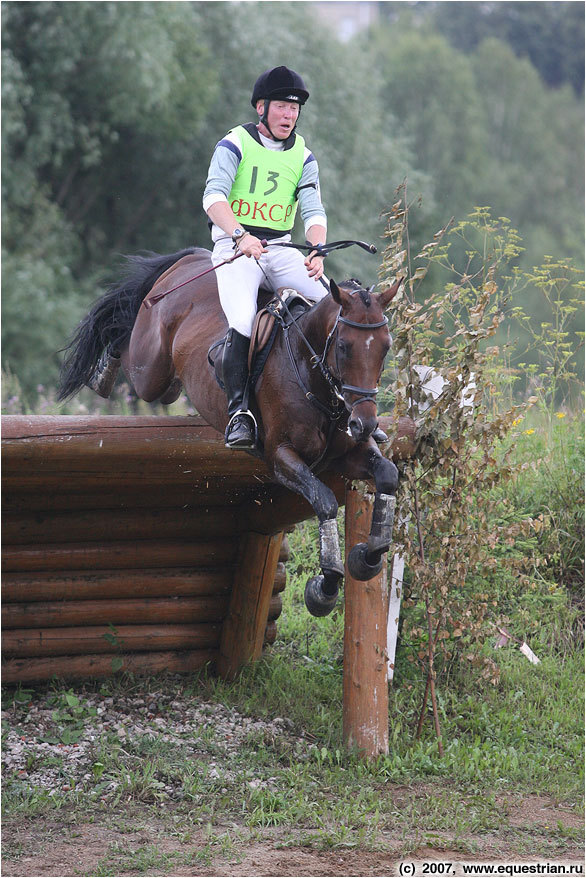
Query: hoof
column 358, row 566
column 317, row 602
column 104, row 377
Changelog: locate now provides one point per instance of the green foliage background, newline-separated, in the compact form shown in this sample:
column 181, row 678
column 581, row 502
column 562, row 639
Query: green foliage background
column 111, row 112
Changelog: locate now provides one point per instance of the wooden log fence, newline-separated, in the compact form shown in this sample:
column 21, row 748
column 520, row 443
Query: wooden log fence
column 142, row 544
column 122, row 541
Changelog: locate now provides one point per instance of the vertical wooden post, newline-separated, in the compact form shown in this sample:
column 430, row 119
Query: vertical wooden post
column 366, row 697
column 245, row 624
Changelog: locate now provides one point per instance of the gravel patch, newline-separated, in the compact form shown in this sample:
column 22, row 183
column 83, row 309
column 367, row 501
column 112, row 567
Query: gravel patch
column 59, row 742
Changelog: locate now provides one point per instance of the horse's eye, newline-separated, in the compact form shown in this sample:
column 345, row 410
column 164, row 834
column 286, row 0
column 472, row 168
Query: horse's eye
column 343, row 347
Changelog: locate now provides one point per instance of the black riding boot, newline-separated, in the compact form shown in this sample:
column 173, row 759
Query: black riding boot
column 240, row 432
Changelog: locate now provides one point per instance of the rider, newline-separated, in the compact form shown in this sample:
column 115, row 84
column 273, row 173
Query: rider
column 257, row 176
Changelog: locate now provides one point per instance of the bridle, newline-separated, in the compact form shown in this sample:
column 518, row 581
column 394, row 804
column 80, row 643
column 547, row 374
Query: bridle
column 366, row 393
column 338, row 388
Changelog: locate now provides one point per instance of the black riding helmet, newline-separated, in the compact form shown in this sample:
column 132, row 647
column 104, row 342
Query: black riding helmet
column 278, row 84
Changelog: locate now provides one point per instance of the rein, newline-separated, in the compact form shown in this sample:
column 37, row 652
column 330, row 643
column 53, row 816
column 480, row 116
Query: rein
column 319, row 249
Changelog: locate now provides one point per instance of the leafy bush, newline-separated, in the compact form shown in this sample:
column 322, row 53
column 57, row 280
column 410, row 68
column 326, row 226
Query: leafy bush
column 474, row 553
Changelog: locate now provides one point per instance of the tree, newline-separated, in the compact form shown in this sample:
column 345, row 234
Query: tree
column 533, row 169
column 109, row 90
column 549, row 34
column 429, row 94
column 100, row 101
column 111, row 112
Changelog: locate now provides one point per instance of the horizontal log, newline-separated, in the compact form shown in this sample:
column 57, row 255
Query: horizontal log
column 123, row 583
column 158, row 431
column 285, row 552
column 275, row 607
column 139, row 553
column 270, row 633
column 63, row 427
column 79, row 667
column 117, row 524
column 77, row 447
column 117, row 481
column 402, row 438
column 61, row 497
column 32, row 642
column 269, row 503
column 159, row 611
column 38, row 452
column 280, row 578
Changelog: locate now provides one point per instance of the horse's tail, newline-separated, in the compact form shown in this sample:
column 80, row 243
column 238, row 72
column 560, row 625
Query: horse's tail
column 111, row 319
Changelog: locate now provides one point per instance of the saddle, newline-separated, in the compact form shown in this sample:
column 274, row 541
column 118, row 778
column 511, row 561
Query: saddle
column 279, row 310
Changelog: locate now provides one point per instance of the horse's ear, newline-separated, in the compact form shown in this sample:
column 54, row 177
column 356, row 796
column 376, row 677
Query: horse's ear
column 340, row 296
column 335, row 291
column 388, row 294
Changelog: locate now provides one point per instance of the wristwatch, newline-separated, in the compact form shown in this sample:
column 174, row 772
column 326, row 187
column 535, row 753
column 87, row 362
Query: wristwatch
column 238, row 233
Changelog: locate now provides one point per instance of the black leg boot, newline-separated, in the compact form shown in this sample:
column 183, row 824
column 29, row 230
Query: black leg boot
column 380, row 436
column 240, row 432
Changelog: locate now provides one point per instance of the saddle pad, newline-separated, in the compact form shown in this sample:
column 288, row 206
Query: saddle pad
column 265, row 320
column 261, row 332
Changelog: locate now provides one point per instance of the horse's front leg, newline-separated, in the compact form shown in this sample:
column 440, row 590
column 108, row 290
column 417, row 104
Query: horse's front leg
column 321, row 592
column 365, row 560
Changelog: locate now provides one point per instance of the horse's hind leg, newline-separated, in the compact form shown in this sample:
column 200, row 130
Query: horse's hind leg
column 172, row 393
column 173, row 386
column 321, row 591
column 148, row 363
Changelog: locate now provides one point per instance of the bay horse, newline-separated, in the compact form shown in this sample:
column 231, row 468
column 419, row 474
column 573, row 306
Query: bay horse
column 314, row 401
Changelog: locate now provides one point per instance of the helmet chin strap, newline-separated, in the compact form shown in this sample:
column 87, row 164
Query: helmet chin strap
column 265, row 121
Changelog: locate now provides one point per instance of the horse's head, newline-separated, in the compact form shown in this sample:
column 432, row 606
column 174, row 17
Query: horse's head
column 360, row 341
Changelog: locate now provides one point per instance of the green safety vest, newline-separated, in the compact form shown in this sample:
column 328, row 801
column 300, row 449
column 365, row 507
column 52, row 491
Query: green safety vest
column 264, row 190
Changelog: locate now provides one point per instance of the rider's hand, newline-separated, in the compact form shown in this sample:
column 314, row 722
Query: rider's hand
column 314, row 265
column 251, row 246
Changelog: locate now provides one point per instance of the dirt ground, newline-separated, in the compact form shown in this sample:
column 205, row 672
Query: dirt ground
column 56, row 848
column 50, row 742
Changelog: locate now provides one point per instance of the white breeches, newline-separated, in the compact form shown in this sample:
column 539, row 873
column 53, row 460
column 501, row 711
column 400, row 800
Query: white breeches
column 238, row 282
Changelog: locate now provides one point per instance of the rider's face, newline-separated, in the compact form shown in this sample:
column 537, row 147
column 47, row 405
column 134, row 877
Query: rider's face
column 282, row 117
